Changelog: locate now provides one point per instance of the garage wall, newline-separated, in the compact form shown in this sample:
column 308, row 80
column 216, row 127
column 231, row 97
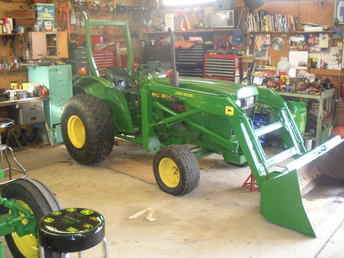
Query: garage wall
column 312, row 11
column 5, row 50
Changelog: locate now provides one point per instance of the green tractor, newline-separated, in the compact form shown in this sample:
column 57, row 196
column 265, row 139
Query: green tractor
column 184, row 119
column 23, row 203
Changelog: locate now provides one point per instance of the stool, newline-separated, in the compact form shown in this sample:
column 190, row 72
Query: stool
column 7, row 151
column 72, row 230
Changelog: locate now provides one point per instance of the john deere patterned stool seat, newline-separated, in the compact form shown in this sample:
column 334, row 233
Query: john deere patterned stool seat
column 72, row 230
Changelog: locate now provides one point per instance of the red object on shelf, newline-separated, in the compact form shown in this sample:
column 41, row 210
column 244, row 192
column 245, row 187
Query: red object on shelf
column 250, row 183
column 97, row 39
column 63, row 17
column 339, row 130
column 104, row 58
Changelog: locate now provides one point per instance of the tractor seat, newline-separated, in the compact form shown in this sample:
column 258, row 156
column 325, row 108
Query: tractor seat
column 119, row 76
column 71, row 230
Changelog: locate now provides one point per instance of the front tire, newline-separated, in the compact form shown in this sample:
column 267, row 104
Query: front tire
column 34, row 196
column 176, row 170
column 87, row 129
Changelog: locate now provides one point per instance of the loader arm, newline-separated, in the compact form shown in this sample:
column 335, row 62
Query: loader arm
column 199, row 101
column 279, row 177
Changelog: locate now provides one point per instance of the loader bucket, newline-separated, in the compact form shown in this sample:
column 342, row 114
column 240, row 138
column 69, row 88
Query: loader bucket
column 281, row 203
column 282, row 194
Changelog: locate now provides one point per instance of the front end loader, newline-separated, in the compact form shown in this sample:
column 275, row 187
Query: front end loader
column 184, row 119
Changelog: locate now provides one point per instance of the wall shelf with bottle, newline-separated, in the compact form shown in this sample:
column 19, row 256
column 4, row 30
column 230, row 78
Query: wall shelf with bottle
column 292, row 32
column 317, row 52
column 193, row 31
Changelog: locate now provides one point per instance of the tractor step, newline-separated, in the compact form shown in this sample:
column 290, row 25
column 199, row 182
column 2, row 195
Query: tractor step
column 268, row 129
column 283, row 156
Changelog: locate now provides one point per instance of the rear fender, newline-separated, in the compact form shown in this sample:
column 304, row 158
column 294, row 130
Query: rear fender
column 104, row 90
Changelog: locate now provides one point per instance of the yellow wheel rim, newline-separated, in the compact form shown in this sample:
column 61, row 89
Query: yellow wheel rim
column 76, row 132
column 28, row 244
column 169, row 172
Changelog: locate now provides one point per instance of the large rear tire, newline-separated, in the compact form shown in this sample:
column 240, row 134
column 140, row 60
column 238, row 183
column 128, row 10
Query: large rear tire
column 88, row 129
column 34, row 196
column 176, row 170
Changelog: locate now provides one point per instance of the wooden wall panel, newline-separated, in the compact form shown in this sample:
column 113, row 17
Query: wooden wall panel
column 312, row 11
column 5, row 50
column 17, row 5
column 276, row 55
column 5, row 78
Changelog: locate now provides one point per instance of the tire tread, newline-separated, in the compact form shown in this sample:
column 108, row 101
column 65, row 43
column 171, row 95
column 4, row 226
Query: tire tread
column 99, row 126
column 188, row 166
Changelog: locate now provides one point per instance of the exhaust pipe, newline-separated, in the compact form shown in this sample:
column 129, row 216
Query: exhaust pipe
column 175, row 75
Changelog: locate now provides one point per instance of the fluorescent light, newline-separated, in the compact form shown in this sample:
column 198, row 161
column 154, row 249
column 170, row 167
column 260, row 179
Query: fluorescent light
column 186, row 2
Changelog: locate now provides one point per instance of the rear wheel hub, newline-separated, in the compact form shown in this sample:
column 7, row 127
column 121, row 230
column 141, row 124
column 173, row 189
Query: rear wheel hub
column 76, row 132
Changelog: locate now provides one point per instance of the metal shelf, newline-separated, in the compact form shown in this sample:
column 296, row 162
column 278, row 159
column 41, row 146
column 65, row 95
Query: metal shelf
column 193, row 31
column 325, row 116
column 11, row 34
column 290, row 32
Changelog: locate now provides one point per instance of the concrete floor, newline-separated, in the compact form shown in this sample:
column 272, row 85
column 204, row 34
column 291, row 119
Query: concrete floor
column 218, row 219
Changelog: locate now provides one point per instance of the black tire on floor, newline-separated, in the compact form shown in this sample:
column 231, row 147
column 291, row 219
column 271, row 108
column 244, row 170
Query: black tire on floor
column 186, row 163
column 39, row 199
column 97, row 119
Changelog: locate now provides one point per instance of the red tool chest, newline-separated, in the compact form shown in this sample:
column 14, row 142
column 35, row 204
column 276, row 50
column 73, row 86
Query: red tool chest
column 223, row 67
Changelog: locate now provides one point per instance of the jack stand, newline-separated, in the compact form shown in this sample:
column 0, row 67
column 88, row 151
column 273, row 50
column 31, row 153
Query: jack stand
column 250, row 183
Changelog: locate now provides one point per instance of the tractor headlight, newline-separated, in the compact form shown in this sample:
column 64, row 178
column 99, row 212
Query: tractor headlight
column 246, row 103
column 246, row 97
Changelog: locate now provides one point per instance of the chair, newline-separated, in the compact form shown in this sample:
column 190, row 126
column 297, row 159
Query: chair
column 72, row 230
column 7, row 152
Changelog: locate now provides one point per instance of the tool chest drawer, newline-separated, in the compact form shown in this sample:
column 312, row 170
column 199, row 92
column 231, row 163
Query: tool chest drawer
column 223, row 67
column 31, row 113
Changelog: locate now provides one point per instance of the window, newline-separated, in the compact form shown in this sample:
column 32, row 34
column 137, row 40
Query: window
column 178, row 3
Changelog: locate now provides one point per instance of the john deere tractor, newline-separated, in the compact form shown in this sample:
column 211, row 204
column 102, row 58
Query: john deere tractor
column 183, row 119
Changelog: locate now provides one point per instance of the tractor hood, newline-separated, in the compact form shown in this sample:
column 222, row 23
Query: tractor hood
column 211, row 86
column 219, row 87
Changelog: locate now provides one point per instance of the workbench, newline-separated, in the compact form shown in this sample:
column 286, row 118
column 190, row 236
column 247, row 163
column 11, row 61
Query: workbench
column 13, row 102
column 26, row 111
column 325, row 115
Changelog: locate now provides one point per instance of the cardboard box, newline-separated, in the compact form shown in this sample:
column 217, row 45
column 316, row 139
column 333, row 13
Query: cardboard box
column 45, row 12
column 45, row 17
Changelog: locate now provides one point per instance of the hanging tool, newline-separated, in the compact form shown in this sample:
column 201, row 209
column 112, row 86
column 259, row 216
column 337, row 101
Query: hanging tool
column 63, row 17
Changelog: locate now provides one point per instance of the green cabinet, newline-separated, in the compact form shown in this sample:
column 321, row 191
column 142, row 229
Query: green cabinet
column 58, row 79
